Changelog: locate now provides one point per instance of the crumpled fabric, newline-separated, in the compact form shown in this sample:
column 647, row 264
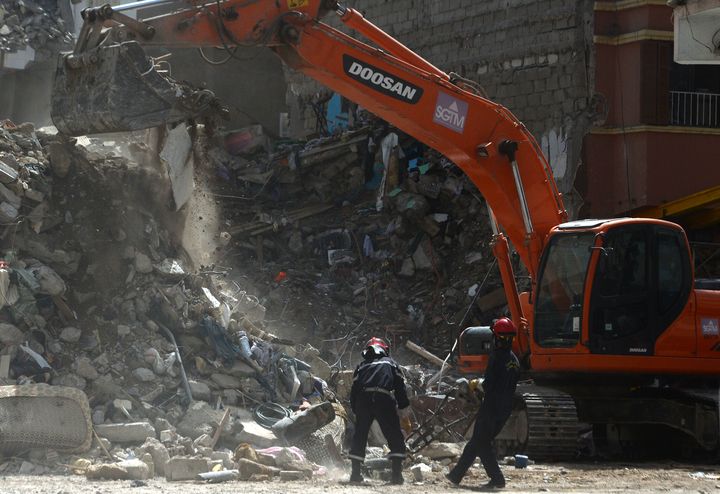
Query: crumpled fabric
column 292, row 453
column 224, row 347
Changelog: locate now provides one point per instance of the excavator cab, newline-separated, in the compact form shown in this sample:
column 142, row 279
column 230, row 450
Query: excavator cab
column 619, row 302
column 620, row 288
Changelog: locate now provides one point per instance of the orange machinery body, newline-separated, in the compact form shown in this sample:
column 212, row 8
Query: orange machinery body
column 688, row 346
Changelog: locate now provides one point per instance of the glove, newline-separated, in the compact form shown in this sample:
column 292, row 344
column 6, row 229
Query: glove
column 476, row 386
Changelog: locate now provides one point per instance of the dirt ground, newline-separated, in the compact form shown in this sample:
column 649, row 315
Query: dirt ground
column 655, row 477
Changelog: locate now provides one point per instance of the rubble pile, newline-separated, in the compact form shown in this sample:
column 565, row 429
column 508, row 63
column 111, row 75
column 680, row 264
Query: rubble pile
column 32, row 23
column 366, row 232
column 98, row 295
column 182, row 365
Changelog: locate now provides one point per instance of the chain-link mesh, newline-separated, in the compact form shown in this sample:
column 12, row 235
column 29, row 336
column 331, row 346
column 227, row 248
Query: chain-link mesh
column 314, row 444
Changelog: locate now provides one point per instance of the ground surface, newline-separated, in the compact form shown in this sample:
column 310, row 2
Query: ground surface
column 647, row 477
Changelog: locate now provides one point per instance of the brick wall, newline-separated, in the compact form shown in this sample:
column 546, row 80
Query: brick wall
column 533, row 56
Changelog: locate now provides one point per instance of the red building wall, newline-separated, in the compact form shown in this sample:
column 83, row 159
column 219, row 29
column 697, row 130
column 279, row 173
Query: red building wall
column 633, row 158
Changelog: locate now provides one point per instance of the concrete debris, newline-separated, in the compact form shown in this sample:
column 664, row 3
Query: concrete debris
column 179, row 468
column 189, row 352
column 134, row 432
column 420, row 471
column 35, row 25
column 439, row 451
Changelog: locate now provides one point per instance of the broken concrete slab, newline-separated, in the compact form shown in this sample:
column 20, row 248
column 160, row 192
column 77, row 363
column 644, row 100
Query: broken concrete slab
column 10, row 335
column 200, row 390
column 177, row 156
column 180, row 468
column 252, row 433
column 131, row 432
column 199, row 419
column 106, row 471
column 70, row 334
column 438, row 451
column 136, row 469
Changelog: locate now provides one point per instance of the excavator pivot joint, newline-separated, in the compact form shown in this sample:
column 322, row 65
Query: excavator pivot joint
column 508, row 148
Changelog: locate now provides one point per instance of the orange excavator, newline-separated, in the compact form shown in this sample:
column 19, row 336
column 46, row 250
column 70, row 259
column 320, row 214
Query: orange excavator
column 615, row 331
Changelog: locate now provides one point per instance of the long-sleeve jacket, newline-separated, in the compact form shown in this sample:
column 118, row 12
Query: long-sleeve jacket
column 501, row 378
column 381, row 373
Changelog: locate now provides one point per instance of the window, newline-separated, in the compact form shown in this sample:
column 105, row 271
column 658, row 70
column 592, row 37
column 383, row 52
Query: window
column 670, row 273
column 621, row 285
column 558, row 308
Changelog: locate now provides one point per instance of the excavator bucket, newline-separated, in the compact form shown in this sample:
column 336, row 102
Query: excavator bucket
column 118, row 88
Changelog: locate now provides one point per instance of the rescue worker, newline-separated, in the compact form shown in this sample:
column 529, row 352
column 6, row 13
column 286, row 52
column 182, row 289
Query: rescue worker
column 378, row 393
column 499, row 385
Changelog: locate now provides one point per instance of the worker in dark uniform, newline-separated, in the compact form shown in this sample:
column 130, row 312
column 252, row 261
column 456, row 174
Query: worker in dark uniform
column 499, row 385
column 378, row 393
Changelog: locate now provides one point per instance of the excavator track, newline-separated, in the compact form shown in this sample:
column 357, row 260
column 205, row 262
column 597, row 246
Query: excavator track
column 544, row 425
column 553, row 425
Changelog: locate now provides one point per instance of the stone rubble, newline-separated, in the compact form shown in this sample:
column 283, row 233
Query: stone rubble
column 37, row 24
column 174, row 357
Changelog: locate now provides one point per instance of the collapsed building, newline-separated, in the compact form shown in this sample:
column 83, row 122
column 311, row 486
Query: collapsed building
column 358, row 232
column 335, row 239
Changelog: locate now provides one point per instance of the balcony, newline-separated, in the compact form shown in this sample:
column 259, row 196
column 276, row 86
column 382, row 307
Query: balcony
column 692, row 109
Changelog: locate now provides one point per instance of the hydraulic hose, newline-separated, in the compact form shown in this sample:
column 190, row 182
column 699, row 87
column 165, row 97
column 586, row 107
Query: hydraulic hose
column 269, row 413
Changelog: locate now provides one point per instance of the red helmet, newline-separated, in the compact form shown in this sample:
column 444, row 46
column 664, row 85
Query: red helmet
column 378, row 344
column 504, row 327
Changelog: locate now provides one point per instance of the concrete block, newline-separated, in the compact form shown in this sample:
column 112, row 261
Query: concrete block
column 158, row 452
column 136, row 469
column 132, row 432
column 180, row 468
column 256, row 435
column 200, row 390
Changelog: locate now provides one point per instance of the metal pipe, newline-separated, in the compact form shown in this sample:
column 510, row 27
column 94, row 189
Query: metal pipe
column 141, row 4
column 509, row 149
column 493, row 220
column 523, row 200
column 145, row 30
column 186, row 384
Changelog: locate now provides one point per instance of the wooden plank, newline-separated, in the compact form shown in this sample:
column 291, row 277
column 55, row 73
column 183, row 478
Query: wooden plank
column 425, row 354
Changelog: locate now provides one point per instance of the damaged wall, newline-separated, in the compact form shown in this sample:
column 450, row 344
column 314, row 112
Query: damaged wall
column 533, row 56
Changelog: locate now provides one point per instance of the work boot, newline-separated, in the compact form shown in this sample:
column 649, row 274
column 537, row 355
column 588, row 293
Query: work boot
column 356, row 475
column 452, row 478
column 493, row 485
column 397, row 477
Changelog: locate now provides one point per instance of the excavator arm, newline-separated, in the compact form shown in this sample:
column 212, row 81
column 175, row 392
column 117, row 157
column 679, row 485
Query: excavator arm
column 444, row 111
